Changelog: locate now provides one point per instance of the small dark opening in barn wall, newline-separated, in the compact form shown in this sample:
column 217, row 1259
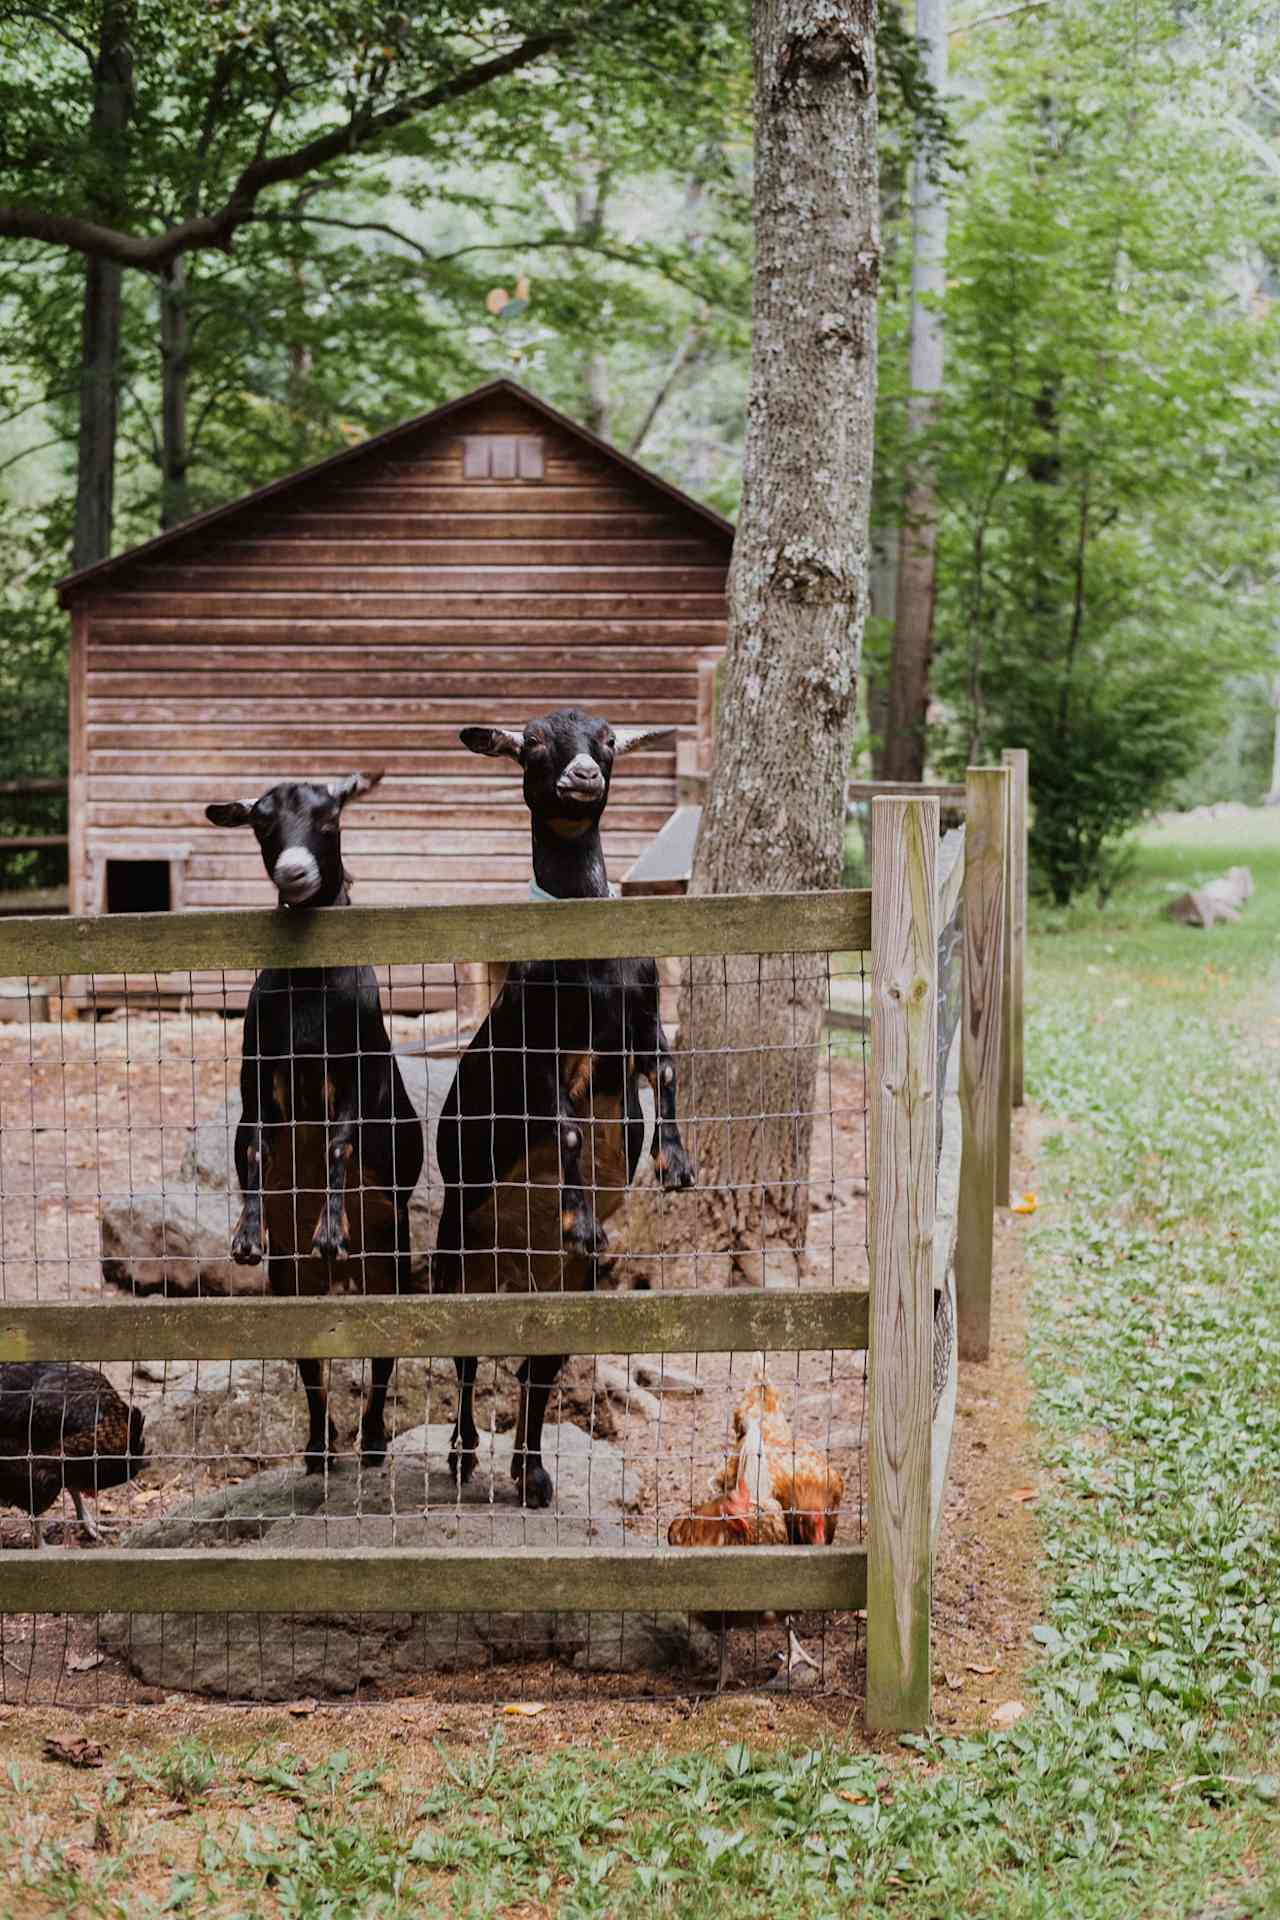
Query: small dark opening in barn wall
column 138, row 886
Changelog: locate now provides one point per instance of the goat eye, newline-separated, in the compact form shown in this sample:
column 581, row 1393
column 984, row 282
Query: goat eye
column 609, row 742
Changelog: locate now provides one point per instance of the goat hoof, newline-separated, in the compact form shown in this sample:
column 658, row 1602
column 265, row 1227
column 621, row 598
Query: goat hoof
column 246, row 1251
column 533, row 1484
column 585, row 1235
column 330, row 1246
column 462, row 1464
column 675, row 1170
column 373, row 1452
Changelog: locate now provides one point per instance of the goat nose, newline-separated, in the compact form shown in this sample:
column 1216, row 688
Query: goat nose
column 582, row 775
column 296, row 874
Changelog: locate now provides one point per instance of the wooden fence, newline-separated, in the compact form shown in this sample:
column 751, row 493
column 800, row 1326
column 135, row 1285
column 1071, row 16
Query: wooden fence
column 927, row 895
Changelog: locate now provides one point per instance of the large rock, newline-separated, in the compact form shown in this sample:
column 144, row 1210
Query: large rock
column 177, row 1242
column 411, row 1502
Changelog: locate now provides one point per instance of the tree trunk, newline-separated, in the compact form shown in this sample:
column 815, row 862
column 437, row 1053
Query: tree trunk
column 1273, row 795
column 100, row 313
column 774, row 819
column 588, row 225
column 175, row 494
column 905, row 735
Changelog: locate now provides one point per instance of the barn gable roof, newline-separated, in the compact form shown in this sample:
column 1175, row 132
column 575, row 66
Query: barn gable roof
column 74, row 584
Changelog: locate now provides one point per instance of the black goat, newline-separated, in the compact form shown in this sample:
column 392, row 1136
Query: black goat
column 542, row 1129
column 328, row 1148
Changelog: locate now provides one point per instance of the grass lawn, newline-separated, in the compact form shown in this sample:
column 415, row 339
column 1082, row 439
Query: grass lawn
column 1144, row 1778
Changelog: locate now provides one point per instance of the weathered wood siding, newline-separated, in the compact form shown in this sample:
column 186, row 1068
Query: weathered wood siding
column 359, row 618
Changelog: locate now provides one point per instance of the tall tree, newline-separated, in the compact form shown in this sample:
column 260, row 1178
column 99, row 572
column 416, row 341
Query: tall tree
column 112, row 101
column 774, row 819
column 141, row 134
column 908, row 694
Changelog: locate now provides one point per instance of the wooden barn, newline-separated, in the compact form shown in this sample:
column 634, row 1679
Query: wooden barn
column 487, row 561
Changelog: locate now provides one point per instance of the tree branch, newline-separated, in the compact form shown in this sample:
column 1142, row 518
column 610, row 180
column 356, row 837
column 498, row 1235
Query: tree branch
column 686, row 351
column 51, row 20
column 58, row 440
column 153, row 253
column 986, row 19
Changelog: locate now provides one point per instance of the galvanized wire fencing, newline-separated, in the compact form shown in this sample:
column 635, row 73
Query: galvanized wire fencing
column 717, row 1332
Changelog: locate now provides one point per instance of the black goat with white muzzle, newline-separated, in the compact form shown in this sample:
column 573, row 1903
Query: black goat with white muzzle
column 329, row 1147
column 542, row 1130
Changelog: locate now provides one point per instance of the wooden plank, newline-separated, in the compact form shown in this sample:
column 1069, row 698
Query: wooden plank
column 944, row 1245
column 836, row 922
column 33, row 785
column 901, row 1188
column 525, row 522
column 497, row 656
column 986, row 830
column 1004, row 1122
column 504, row 549
column 432, row 1580
column 667, row 862
column 949, row 791
column 412, row 632
column 517, row 610
column 28, row 842
column 815, row 1320
column 423, row 582
column 1016, row 759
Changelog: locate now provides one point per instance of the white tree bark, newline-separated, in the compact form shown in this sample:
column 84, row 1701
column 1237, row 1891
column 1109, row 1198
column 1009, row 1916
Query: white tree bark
column 904, row 754
column 1273, row 794
column 774, row 819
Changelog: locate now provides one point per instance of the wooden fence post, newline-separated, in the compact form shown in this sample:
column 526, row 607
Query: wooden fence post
column 986, row 845
column 1015, row 758
column 1004, row 1124
column 902, row 1180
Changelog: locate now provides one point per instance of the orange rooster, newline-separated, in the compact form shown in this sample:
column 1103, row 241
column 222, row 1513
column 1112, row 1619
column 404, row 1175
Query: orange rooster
column 804, row 1484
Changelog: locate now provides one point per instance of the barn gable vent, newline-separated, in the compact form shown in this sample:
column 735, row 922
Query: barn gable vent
column 501, row 456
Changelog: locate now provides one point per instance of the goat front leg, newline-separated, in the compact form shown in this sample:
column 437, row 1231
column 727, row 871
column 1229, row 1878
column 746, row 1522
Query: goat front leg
column 246, row 1241
column 332, row 1237
column 671, row 1162
column 537, row 1377
column 257, row 1107
column 580, row 1231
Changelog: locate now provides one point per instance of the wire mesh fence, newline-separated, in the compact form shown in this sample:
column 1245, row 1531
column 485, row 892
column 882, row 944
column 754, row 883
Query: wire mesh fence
column 123, row 1185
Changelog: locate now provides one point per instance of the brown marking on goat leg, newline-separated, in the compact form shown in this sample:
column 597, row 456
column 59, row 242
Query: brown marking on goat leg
column 578, row 1079
column 280, row 1090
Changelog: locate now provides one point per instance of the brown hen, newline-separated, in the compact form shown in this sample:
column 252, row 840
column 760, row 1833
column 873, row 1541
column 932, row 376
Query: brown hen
column 805, row 1485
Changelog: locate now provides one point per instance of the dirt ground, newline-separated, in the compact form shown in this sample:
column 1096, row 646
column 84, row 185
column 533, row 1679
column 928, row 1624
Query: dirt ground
column 94, row 1108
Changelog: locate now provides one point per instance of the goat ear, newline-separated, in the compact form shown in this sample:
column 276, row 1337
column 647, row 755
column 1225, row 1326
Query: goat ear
column 229, row 813
column 627, row 739
column 353, row 785
column 497, row 742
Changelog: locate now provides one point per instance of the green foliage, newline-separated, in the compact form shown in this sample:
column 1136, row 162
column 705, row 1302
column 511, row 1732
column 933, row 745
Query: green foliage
column 1105, row 445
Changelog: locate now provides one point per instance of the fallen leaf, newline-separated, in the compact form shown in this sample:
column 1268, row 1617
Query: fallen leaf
column 301, row 1707
column 953, row 1681
column 526, row 1708
column 1024, row 1493
column 1027, row 1204
column 83, row 1662
column 855, row 1799
column 1007, row 1713
column 977, row 1666
column 78, row 1752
